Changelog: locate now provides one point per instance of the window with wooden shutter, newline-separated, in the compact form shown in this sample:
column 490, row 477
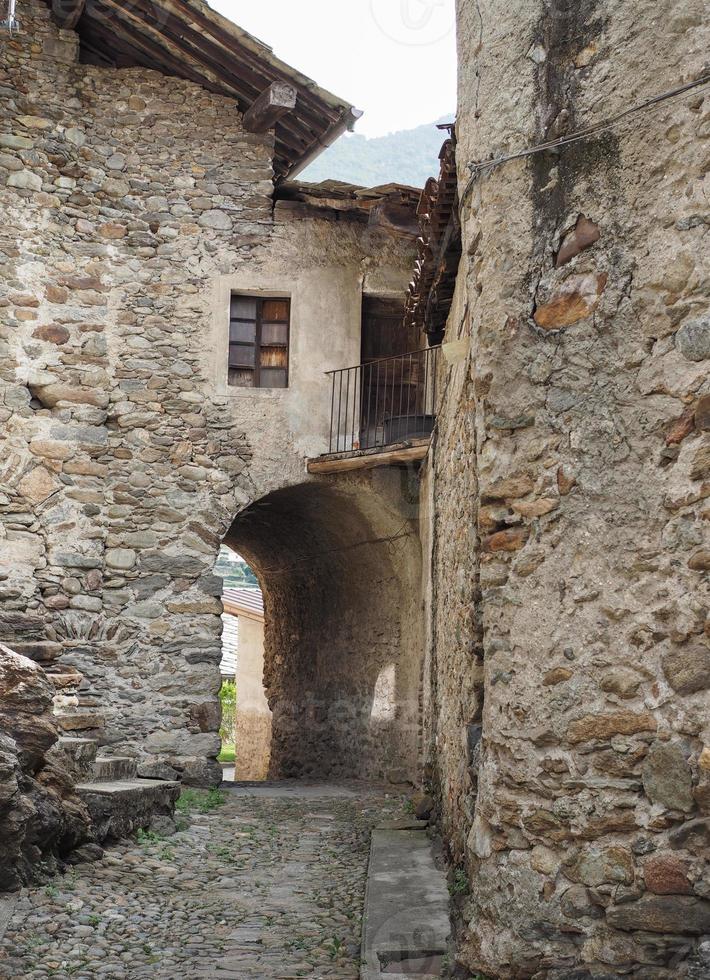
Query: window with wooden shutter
column 258, row 342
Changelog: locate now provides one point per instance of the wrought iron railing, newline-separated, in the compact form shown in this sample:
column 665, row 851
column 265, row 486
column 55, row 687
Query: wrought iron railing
column 382, row 402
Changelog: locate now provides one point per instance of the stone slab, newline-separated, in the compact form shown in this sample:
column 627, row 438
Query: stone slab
column 79, row 749
column 405, row 824
column 120, row 807
column 294, row 788
column 126, row 786
column 7, row 908
column 406, row 920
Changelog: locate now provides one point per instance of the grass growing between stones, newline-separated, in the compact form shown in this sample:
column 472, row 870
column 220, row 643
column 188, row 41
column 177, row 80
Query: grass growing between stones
column 459, row 883
column 257, row 888
column 203, row 801
column 148, row 836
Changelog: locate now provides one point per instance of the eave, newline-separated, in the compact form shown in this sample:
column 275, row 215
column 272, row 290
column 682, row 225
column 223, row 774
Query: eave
column 187, row 39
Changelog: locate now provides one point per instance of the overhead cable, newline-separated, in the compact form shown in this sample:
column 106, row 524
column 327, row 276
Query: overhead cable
column 478, row 167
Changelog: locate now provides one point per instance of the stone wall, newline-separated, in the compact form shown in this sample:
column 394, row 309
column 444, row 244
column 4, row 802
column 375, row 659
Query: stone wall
column 570, row 483
column 132, row 203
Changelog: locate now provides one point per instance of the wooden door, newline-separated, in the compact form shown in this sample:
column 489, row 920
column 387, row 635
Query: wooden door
column 389, row 383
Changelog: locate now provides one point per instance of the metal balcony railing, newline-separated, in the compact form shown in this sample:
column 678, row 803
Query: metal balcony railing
column 383, row 402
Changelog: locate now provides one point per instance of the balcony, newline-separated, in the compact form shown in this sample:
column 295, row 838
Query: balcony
column 381, row 412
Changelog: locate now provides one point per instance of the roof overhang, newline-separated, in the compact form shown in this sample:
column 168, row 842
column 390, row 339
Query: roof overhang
column 390, row 208
column 187, row 39
column 432, row 287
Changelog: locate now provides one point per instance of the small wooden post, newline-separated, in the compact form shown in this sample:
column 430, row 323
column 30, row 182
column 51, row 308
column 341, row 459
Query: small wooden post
column 278, row 99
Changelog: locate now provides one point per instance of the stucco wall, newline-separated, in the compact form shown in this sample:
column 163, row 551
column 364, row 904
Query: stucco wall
column 574, row 437
column 253, row 717
column 132, row 202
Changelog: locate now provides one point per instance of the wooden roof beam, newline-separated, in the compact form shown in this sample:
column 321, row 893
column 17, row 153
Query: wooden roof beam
column 217, row 69
column 405, row 452
column 273, row 103
column 113, row 24
column 66, row 13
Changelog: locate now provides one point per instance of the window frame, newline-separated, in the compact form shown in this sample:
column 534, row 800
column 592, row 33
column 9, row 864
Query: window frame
column 257, row 346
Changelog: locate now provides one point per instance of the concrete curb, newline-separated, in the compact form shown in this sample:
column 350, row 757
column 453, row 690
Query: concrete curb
column 406, row 917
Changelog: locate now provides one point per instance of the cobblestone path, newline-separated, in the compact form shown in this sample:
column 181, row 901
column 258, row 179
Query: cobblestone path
column 267, row 885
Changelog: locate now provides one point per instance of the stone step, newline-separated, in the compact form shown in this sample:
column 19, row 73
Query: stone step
column 43, row 652
column 79, row 749
column 107, row 769
column 78, row 721
column 120, row 808
column 66, row 680
column 76, row 755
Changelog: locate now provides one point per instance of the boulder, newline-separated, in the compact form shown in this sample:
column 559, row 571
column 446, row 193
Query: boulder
column 605, row 865
column 41, row 818
column 423, row 807
column 604, row 726
column 687, row 668
column 666, row 874
column 693, row 338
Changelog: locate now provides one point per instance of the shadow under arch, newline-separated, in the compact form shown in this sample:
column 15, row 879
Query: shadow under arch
column 339, row 564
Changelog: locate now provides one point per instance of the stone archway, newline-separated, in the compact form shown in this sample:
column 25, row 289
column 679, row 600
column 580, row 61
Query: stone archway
column 339, row 564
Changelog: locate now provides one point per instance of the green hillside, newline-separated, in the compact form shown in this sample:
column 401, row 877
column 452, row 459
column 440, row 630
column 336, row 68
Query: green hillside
column 407, row 157
column 234, row 571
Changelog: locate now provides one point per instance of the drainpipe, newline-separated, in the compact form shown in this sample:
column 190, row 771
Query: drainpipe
column 346, row 122
column 11, row 22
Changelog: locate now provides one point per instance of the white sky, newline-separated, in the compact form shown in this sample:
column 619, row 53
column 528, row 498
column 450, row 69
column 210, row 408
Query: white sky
column 395, row 59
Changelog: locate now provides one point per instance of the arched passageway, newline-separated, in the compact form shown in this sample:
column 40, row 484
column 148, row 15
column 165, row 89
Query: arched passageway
column 339, row 565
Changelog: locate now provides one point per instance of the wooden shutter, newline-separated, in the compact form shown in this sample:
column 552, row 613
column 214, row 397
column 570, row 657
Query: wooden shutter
column 242, row 340
column 273, row 343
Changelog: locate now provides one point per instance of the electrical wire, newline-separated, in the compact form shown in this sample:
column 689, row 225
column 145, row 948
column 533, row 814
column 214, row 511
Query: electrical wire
column 481, row 166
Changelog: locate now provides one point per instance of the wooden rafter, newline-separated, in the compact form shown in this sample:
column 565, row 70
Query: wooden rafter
column 66, row 13
column 439, row 250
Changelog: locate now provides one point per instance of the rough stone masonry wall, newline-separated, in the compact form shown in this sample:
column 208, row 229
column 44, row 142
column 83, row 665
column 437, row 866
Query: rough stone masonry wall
column 574, row 436
column 128, row 200
column 123, row 194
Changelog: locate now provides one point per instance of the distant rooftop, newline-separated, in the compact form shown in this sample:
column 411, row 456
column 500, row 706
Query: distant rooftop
column 248, row 601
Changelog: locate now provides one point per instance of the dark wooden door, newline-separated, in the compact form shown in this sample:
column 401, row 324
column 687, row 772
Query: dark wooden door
column 389, row 382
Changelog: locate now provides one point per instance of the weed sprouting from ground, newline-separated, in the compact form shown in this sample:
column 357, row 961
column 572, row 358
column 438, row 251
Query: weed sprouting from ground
column 200, row 800
column 148, row 836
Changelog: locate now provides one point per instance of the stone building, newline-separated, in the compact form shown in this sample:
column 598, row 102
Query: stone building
column 167, row 322
column 568, row 669
column 511, row 609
